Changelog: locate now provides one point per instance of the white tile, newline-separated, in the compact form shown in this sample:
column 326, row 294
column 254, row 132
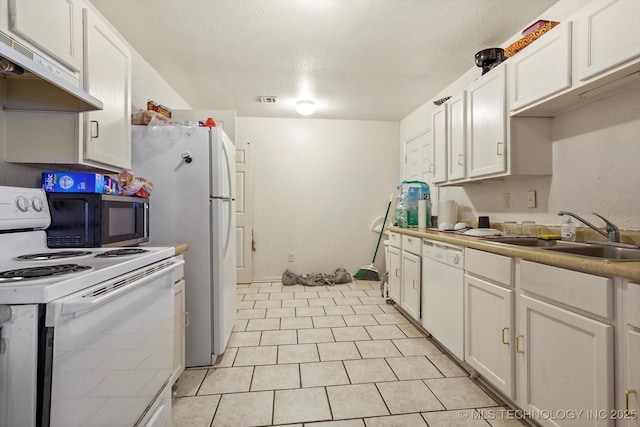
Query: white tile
column 244, row 339
column 367, row 309
column 323, row 374
column 196, row 411
column 338, row 310
column 257, row 410
column 413, row 368
column 245, row 304
column 447, row 366
column 240, row 325
column 296, row 323
column 301, row 405
column 348, row 301
column 410, row 330
column 356, row 401
column 295, row 303
column 251, row 356
column 189, row 382
column 452, row 419
column 259, row 285
column 388, row 308
column 281, row 312
column 306, row 336
column 279, row 295
column 328, row 321
column 377, row 348
column 351, row 333
column 384, row 332
column 263, row 324
column 242, row 290
column 256, row 297
column 275, row 377
column 339, row 423
column 359, row 320
column 459, row 393
column 374, row 292
column 298, row 353
column 269, row 303
column 351, row 294
column 372, row 300
column 306, row 294
column 369, row 371
column 288, row 336
column 363, row 285
column 338, row 351
column 404, row 397
column 226, row 380
column 408, row 420
column 416, row 347
column 255, row 313
column 330, row 294
column 270, row 290
column 226, row 359
column 321, row 302
column 390, row 318
column 309, row 311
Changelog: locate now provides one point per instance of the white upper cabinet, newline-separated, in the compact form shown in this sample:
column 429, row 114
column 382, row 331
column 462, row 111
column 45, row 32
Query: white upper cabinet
column 419, row 157
column 107, row 77
column 487, row 124
column 608, row 36
column 439, row 137
column 542, row 69
column 456, row 137
column 55, row 26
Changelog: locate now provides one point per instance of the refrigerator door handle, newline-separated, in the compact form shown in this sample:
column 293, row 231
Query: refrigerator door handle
column 230, row 199
column 228, row 239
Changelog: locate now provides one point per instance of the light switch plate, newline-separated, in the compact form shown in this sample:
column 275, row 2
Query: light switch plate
column 531, row 199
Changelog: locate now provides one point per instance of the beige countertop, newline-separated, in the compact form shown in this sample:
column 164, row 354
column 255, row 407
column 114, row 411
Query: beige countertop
column 629, row 270
column 179, row 248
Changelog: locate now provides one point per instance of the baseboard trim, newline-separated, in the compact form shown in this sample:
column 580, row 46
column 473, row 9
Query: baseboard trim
column 267, row 279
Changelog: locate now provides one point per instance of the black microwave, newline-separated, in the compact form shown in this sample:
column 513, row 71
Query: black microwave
column 89, row 220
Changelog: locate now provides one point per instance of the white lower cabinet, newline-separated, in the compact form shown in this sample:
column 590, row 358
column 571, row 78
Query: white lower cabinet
column 410, row 300
column 488, row 330
column 180, row 322
column 395, row 268
column 629, row 388
column 564, row 345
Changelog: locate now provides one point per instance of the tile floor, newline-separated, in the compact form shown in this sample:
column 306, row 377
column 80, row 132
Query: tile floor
column 330, row 356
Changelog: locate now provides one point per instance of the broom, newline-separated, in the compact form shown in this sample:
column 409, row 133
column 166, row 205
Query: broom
column 370, row 272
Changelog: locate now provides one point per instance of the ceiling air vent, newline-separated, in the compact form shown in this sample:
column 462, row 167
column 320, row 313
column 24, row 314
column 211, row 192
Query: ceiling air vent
column 268, row 99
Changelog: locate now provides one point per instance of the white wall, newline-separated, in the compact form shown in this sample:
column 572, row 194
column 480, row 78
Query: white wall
column 318, row 186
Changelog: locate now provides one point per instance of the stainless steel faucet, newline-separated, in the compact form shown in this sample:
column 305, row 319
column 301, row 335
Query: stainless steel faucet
column 612, row 234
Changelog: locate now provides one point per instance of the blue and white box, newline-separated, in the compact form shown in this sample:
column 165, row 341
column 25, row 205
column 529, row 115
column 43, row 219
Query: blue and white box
column 72, row 182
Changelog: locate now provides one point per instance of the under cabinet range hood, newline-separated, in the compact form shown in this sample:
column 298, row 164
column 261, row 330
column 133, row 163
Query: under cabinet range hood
column 43, row 86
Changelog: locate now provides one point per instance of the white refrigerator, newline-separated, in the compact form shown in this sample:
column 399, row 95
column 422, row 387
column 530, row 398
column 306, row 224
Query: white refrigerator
column 193, row 201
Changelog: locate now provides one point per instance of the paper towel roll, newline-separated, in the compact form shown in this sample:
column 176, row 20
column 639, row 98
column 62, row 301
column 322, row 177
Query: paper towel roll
column 422, row 214
column 448, row 212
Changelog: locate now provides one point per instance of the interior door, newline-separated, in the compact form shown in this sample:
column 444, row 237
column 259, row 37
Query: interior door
column 244, row 211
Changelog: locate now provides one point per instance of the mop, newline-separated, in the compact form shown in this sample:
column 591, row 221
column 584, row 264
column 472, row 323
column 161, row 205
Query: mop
column 370, row 272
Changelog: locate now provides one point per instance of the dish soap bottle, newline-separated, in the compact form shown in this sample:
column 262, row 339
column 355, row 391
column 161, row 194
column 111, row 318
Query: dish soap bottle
column 568, row 231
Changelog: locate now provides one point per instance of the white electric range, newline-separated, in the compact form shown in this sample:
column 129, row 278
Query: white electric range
column 86, row 335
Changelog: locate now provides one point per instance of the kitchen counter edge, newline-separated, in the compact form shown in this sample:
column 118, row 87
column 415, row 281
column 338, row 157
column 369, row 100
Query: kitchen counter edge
column 628, row 270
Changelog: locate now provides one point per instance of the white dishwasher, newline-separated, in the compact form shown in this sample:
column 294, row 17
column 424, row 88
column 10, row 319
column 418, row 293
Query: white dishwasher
column 443, row 294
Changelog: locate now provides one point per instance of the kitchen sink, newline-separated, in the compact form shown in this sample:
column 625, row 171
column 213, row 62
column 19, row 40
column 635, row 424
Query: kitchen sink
column 530, row 241
column 607, row 253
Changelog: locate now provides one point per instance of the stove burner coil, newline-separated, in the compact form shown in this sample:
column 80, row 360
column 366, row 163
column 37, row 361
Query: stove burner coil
column 46, row 256
column 121, row 252
column 42, row 271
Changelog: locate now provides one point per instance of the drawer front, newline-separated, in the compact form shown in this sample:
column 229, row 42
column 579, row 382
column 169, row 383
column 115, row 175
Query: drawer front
column 633, row 302
column 497, row 268
column 412, row 244
column 593, row 294
column 395, row 239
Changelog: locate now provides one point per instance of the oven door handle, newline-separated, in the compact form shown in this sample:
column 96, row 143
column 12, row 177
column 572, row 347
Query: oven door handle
column 83, row 302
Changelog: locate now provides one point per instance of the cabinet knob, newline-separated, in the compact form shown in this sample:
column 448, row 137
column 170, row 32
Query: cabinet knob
column 415, row 284
column 460, row 159
column 397, row 272
column 97, row 127
column 187, row 319
column 518, row 350
column 505, row 341
column 630, row 414
column 499, row 148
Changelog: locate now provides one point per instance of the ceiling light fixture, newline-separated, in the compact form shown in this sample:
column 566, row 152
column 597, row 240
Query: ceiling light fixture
column 305, row 108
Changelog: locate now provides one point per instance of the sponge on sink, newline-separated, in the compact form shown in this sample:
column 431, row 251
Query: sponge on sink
column 549, row 236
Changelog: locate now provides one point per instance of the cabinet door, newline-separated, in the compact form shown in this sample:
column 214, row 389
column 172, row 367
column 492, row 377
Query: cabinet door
column 108, row 78
column 54, row 26
column 179, row 323
column 632, row 381
column 608, row 36
column 487, row 124
column 488, row 331
column 395, row 275
column 439, row 138
column 456, row 137
column 542, row 69
column 567, row 362
column 410, row 301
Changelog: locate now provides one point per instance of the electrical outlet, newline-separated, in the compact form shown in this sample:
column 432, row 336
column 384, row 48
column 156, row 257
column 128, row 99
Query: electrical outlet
column 531, row 199
column 291, row 257
column 505, row 200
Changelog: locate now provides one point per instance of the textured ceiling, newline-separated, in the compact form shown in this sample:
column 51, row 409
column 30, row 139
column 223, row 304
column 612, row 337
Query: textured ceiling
column 357, row 59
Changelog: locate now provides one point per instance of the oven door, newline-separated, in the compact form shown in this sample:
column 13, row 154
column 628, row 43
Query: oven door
column 112, row 349
column 124, row 221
